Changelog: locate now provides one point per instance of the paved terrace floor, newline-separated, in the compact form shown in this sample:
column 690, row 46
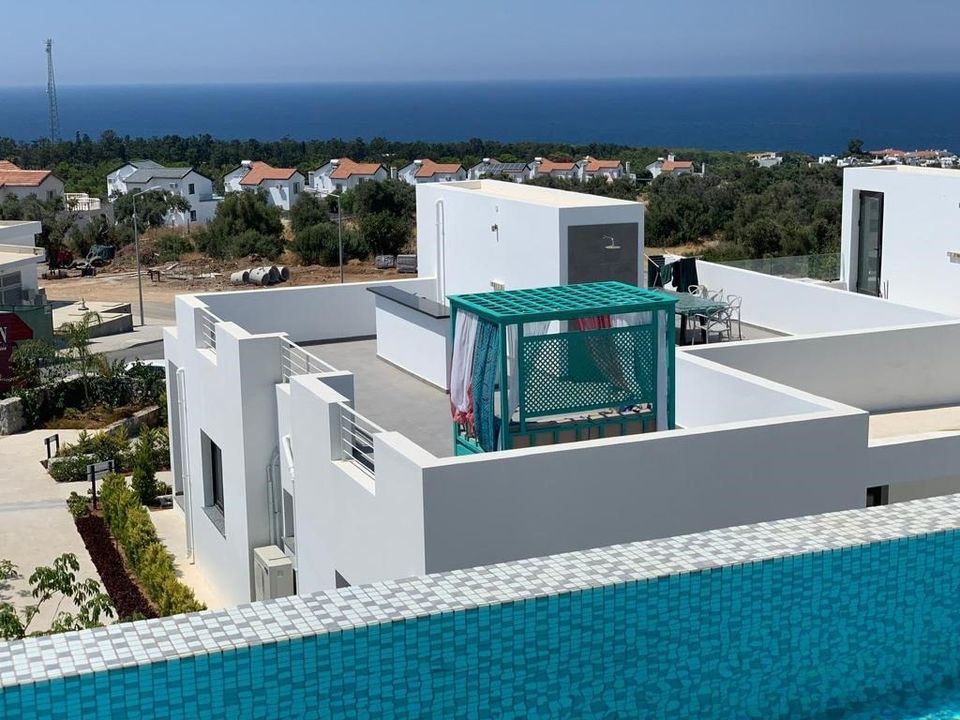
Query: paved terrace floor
column 390, row 397
column 929, row 421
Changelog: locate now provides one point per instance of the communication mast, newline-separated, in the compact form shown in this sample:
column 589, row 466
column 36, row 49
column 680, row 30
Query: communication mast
column 52, row 96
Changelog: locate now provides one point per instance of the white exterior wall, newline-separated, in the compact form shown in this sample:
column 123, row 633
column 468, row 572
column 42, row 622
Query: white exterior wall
column 515, row 504
column 116, row 181
column 920, row 219
column 280, row 193
column 313, row 312
column 230, row 397
column 22, row 233
column 529, row 247
column 409, row 175
column 50, row 189
column 364, row 529
column 324, row 184
column 900, row 368
column 414, row 342
column 748, row 449
column 795, row 307
column 283, row 193
column 202, row 201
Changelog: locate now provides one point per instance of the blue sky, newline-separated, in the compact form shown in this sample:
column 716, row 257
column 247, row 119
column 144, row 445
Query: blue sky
column 194, row 41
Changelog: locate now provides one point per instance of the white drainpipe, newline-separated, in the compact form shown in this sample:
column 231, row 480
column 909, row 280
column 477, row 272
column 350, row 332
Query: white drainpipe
column 185, row 461
column 441, row 228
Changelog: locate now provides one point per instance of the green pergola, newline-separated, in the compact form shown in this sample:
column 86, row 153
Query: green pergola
column 614, row 352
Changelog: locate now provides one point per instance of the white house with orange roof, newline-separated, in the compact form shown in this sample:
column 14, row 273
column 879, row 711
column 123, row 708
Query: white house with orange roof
column 670, row 166
column 23, row 183
column 544, row 167
column 344, row 174
column 591, row 167
column 427, row 171
column 282, row 186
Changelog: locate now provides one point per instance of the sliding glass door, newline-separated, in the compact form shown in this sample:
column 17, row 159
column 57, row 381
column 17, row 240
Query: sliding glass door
column 870, row 242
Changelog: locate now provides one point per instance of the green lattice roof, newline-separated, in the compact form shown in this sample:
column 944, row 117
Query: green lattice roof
column 561, row 302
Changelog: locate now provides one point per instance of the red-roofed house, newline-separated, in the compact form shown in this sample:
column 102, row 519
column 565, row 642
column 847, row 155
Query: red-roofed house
column 426, row 171
column 542, row 167
column 591, row 167
column 345, row 174
column 23, row 183
column 282, row 186
column 670, row 166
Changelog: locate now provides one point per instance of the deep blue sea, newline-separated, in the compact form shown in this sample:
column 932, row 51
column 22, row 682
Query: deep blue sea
column 812, row 114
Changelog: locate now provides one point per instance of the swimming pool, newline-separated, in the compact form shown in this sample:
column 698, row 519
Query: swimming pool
column 820, row 634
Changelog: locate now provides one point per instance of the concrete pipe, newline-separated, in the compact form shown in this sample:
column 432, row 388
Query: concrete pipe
column 260, row 276
column 274, row 274
column 284, row 272
column 240, row 277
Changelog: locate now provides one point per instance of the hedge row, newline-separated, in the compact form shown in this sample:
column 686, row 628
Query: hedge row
column 133, row 529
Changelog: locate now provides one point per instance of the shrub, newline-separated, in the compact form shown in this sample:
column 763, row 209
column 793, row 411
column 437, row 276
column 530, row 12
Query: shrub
column 245, row 224
column 320, row 245
column 72, row 468
column 385, row 233
column 78, row 505
column 131, row 526
column 144, row 469
column 170, row 247
column 308, row 211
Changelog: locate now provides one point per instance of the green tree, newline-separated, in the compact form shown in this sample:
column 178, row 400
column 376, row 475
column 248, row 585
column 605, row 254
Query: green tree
column 76, row 336
column 389, row 196
column 244, row 224
column 385, row 233
column 152, row 207
column 319, row 244
column 308, row 211
column 55, row 582
column 29, row 360
column 855, row 147
column 144, row 471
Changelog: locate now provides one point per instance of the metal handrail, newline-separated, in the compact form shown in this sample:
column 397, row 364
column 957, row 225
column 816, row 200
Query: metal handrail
column 294, row 360
column 208, row 330
column 356, row 439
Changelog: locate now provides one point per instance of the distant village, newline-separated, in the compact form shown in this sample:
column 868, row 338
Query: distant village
column 892, row 156
column 282, row 186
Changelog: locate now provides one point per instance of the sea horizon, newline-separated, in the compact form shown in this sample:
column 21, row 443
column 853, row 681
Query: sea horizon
column 814, row 113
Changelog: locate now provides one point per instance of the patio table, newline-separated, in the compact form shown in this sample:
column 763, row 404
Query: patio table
column 689, row 305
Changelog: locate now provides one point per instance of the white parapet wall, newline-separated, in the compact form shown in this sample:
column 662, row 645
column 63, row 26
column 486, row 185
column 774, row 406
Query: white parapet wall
column 313, row 312
column 795, row 307
column 896, row 368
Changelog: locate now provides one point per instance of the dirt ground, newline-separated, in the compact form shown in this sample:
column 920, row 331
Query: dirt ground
column 117, row 283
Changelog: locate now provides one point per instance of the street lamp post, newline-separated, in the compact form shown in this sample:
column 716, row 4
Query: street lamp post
column 339, row 229
column 136, row 245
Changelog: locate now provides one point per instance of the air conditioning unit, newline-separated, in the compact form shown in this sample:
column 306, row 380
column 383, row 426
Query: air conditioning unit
column 272, row 573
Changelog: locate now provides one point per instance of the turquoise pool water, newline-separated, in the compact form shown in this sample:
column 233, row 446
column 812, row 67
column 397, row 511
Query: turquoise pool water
column 820, row 635
column 942, row 703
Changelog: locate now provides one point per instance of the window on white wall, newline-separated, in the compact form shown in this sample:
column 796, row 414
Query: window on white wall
column 193, row 215
column 190, row 189
column 212, row 481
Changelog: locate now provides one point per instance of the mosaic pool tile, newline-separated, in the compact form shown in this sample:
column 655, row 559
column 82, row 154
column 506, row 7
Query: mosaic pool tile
column 779, row 619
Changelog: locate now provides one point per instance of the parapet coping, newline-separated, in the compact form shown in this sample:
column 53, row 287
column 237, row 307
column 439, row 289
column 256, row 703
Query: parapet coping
column 52, row 657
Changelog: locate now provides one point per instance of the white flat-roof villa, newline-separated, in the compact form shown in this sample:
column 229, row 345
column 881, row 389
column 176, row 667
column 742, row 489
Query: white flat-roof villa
column 543, row 504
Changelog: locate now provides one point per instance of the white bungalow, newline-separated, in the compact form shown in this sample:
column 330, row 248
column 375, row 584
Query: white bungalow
column 427, row 171
column 345, row 174
column 282, row 186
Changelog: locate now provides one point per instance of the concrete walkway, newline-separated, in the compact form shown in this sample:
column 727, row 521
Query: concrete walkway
column 35, row 526
column 171, row 526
